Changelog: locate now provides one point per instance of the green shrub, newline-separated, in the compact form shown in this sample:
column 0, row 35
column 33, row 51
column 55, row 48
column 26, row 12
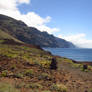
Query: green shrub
column 18, row 75
column 29, row 72
column 44, row 76
column 13, row 66
column 4, row 73
column 84, row 70
column 77, row 65
column 35, row 86
column 59, row 88
column 45, row 63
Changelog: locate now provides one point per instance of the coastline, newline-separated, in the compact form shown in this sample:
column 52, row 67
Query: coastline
column 74, row 61
column 80, row 61
column 84, row 62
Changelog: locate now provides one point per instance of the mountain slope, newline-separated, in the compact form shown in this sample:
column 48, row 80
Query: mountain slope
column 5, row 36
column 30, row 35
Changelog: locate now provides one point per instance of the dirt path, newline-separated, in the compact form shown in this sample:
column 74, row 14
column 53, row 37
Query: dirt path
column 75, row 79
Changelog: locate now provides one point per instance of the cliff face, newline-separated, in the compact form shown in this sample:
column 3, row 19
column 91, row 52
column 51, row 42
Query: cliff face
column 30, row 35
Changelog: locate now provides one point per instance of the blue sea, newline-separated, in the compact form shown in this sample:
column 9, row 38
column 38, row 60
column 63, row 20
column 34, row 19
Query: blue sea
column 77, row 54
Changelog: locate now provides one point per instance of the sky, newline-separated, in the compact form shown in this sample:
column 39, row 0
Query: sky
column 67, row 19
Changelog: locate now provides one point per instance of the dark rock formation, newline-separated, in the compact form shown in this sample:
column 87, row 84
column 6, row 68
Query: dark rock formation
column 53, row 64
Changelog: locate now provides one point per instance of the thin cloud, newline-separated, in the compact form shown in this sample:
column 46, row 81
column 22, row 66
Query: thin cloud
column 78, row 39
column 23, row 1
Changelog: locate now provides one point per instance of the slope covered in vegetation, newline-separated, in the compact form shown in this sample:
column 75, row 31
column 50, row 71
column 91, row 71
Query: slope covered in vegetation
column 27, row 68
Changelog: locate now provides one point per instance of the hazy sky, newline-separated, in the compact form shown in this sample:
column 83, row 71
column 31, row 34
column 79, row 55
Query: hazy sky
column 68, row 19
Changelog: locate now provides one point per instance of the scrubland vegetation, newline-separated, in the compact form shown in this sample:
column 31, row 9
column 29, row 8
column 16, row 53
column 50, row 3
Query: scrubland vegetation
column 29, row 69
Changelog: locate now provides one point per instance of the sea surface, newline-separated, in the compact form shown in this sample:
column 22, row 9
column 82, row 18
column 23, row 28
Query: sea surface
column 78, row 54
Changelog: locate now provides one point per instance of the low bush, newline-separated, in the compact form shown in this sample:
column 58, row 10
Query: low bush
column 59, row 88
column 18, row 75
column 35, row 86
column 4, row 73
column 44, row 76
column 44, row 63
column 29, row 72
column 13, row 67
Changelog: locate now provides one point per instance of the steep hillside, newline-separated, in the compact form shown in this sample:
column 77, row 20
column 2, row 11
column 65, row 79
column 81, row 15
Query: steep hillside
column 5, row 36
column 30, row 35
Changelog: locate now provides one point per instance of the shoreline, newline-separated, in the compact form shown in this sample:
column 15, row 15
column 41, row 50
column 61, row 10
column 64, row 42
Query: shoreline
column 77, row 62
column 74, row 61
column 83, row 62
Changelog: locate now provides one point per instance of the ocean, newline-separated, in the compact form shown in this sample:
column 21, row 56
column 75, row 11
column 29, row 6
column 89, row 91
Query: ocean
column 77, row 54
